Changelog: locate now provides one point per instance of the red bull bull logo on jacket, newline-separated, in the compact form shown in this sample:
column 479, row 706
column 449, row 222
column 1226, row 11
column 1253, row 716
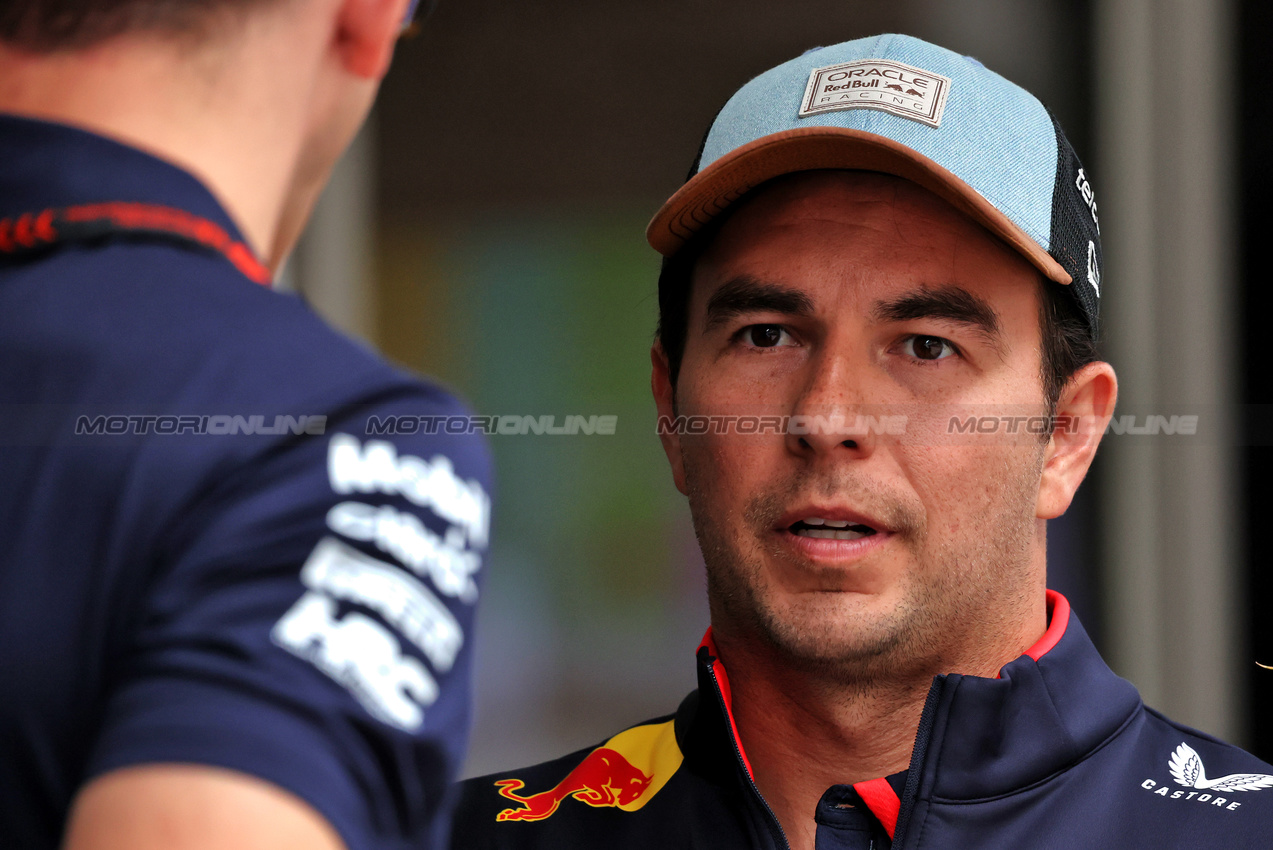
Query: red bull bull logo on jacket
column 625, row 773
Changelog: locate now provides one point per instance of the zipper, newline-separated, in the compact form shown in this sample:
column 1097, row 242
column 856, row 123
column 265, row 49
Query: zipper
column 918, row 753
column 738, row 756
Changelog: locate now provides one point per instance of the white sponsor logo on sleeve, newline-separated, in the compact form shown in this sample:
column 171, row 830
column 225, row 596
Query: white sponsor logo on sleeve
column 402, row 535
column 359, row 652
column 342, row 572
column 376, row 466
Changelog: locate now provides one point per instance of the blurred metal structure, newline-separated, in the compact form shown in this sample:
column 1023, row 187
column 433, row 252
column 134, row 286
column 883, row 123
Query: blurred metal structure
column 1165, row 133
column 332, row 266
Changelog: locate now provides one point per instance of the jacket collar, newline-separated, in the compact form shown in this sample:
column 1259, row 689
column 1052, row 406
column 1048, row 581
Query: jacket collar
column 45, row 164
column 1046, row 710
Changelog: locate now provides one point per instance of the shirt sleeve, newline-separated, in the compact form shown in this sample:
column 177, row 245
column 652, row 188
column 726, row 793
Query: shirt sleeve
column 310, row 620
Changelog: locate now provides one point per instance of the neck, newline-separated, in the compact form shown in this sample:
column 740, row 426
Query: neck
column 804, row 732
column 195, row 107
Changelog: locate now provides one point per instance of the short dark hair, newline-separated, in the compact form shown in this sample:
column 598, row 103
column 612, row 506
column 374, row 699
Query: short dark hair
column 43, row 26
column 1067, row 344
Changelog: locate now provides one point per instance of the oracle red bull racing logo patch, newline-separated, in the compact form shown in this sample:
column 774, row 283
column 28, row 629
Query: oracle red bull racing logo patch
column 881, row 84
column 625, row 773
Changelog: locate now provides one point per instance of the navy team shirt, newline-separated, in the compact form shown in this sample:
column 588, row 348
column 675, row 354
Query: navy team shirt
column 211, row 550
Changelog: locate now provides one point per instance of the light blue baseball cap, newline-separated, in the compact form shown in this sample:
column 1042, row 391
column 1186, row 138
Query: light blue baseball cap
column 899, row 105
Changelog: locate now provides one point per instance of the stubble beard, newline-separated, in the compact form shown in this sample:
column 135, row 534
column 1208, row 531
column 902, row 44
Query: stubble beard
column 955, row 592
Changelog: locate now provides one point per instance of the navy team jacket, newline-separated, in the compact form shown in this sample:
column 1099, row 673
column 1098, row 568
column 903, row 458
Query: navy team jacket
column 1057, row 753
column 187, row 573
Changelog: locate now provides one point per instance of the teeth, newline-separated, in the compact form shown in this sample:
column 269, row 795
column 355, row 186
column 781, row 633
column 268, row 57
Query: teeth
column 829, row 534
column 813, row 520
column 838, row 523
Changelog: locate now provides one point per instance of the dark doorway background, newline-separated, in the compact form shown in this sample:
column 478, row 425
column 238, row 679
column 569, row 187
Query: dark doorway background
column 1255, row 176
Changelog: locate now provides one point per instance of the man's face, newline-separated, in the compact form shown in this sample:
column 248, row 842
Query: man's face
column 847, row 293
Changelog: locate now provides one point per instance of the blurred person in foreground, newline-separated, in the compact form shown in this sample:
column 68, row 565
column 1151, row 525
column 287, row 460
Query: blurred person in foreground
column 230, row 617
column 877, row 379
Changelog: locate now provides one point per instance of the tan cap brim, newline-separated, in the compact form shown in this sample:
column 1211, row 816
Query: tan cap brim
column 708, row 193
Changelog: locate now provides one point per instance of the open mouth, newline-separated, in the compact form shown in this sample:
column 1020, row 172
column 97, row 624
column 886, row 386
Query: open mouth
column 830, row 529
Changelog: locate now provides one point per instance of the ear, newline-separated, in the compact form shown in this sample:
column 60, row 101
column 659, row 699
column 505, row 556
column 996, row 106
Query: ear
column 366, row 32
column 1083, row 411
column 661, row 385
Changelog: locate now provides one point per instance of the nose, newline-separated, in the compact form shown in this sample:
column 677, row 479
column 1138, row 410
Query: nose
column 831, row 415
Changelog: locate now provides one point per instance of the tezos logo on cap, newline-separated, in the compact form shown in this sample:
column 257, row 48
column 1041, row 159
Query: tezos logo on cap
column 877, row 84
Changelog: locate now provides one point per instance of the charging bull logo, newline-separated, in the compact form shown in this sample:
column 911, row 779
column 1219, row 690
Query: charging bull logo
column 603, row 778
column 625, row 773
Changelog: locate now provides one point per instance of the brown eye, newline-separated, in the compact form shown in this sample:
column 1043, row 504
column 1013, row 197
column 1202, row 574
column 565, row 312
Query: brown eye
column 930, row 347
column 765, row 336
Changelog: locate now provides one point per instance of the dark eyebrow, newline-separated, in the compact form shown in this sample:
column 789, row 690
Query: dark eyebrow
column 745, row 294
column 951, row 303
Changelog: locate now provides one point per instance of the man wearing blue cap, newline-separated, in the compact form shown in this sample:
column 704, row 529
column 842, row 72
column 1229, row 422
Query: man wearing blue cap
column 231, row 615
column 877, row 380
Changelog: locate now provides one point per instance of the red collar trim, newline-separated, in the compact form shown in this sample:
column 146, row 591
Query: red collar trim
column 722, row 681
column 1058, row 619
column 34, row 231
column 882, row 800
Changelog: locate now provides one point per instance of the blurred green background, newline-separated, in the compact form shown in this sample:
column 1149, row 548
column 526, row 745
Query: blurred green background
column 593, row 578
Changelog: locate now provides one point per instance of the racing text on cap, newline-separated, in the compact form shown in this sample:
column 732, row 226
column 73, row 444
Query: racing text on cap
column 877, row 84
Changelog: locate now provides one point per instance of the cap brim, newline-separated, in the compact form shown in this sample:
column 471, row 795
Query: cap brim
column 711, row 191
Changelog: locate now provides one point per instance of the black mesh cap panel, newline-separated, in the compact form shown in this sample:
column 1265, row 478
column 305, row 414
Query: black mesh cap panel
column 1076, row 236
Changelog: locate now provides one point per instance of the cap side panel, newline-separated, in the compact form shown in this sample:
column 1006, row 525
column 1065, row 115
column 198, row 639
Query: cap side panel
column 1076, row 235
